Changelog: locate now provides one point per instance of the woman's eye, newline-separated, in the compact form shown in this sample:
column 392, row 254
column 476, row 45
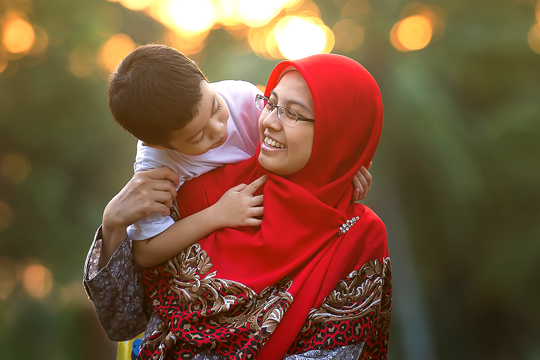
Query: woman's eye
column 290, row 114
column 269, row 105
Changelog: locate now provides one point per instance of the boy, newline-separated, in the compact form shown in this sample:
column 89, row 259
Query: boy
column 184, row 122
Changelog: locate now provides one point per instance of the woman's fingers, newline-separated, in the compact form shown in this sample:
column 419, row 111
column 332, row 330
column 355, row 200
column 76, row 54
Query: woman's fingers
column 257, row 200
column 162, row 173
column 251, row 188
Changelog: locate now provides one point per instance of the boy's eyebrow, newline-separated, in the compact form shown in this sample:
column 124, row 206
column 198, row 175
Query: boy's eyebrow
column 198, row 132
column 292, row 102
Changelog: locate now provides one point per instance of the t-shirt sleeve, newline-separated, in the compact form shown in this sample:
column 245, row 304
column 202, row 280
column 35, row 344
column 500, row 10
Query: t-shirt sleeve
column 149, row 158
column 240, row 97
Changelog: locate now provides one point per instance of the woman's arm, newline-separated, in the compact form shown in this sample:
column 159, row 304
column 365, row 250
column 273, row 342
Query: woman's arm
column 111, row 278
column 147, row 192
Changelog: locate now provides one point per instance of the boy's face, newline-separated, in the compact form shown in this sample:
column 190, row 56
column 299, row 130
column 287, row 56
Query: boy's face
column 207, row 130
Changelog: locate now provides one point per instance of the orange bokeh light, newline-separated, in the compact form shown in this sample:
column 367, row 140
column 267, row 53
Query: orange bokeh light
column 18, row 35
column 534, row 38
column 412, row 33
column 15, row 167
column 349, row 35
column 114, row 50
column 37, row 280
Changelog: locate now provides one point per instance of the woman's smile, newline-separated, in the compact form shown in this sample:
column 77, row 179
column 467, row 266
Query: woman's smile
column 272, row 144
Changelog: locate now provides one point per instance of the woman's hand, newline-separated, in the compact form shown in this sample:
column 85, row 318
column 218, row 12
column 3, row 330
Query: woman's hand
column 238, row 207
column 147, row 192
column 362, row 184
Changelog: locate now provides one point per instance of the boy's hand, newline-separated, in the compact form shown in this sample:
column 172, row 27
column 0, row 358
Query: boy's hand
column 238, row 207
column 362, row 184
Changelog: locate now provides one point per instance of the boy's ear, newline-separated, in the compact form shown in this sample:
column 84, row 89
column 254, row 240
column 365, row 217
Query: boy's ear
column 154, row 146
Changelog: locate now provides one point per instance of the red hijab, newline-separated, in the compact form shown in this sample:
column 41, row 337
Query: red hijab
column 299, row 238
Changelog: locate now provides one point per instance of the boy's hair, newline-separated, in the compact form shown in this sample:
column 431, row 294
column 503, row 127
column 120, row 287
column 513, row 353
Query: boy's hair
column 154, row 91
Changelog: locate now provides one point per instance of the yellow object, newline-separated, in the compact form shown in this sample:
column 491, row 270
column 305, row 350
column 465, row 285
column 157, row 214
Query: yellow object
column 128, row 350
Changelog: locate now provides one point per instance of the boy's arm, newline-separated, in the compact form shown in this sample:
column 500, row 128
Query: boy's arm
column 237, row 207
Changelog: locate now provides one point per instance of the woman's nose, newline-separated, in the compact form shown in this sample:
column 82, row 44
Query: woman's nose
column 271, row 120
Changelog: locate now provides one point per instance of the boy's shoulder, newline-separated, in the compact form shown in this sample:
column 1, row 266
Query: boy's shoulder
column 235, row 86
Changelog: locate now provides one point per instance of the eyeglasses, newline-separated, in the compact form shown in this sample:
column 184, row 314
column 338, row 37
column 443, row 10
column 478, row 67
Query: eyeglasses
column 287, row 116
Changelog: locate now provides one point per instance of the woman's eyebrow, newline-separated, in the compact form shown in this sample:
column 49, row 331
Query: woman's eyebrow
column 292, row 102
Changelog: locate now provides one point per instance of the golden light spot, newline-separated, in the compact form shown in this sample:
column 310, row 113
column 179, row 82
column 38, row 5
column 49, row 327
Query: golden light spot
column 18, row 35
column 299, row 37
column 3, row 63
column 187, row 45
column 256, row 13
column 114, row 50
column 349, row 35
column 8, row 278
column 534, row 38
column 82, row 61
column 355, row 9
column 6, row 215
column 412, row 33
column 228, row 12
column 37, row 280
column 272, row 46
column 40, row 43
column 257, row 39
column 15, row 167
column 191, row 16
column 136, row 4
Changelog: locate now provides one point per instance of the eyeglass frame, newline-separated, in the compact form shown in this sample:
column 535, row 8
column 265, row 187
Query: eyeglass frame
column 299, row 117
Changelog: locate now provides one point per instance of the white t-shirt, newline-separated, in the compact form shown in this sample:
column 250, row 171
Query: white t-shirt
column 241, row 142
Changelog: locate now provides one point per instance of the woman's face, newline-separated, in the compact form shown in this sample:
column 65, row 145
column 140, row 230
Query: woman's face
column 286, row 149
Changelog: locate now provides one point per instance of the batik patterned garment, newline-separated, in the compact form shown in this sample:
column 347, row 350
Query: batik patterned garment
column 224, row 318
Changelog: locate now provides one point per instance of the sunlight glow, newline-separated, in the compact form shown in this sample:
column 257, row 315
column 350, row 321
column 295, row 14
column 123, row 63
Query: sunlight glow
column 3, row 63
column 192, row 16
column 534, row 38
column 37, row 280
column 299, row 37
column 115, row 49
column 18, row 35
column 136, row 4
column 256, row 13
column 412, row 33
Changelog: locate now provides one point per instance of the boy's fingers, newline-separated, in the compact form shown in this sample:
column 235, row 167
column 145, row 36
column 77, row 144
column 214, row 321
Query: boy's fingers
column 256, row 200
column 251, row 188
column 366, row 174
column 356, row 195
column 238, row 188
column 256, row 211
column 253, row 222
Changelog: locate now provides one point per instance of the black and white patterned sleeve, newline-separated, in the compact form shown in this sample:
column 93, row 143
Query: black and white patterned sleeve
column 116, row 291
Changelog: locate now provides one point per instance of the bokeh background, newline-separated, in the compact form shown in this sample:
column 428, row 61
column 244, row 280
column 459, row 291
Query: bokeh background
column 456, row 177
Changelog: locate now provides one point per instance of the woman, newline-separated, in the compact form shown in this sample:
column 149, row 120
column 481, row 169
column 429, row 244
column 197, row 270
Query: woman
column 314, row 279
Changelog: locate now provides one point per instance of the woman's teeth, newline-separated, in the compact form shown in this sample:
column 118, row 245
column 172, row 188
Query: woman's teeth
column 274, row 143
